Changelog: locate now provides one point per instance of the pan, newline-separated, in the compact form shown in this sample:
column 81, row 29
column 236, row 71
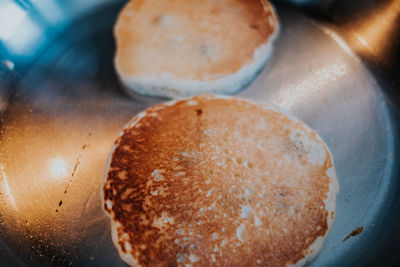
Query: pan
column 61, row 108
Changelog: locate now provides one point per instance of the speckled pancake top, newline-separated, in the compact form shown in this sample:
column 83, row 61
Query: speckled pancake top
column 192, row 40
column 217, row 181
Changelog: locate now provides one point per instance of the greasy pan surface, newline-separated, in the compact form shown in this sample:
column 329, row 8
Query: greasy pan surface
column 67, row 108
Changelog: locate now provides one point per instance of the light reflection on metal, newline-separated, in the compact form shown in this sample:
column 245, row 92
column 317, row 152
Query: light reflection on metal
column 58, row 168
column 371, row 35
column 11, row 17
column 362, row 40
column 19, row 32
column 288, row 97
column 9, row 64
column 51, row 10
column 339, row 41
column 7, row 188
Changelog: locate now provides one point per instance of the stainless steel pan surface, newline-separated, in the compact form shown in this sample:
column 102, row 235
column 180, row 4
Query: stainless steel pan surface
column 61, row 112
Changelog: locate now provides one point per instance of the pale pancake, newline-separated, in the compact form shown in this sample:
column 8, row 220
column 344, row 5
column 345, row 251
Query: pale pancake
column 219, row 181
column 174, row 48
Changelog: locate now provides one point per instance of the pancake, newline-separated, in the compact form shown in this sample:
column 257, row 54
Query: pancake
column 219, row 181
column 175, row 48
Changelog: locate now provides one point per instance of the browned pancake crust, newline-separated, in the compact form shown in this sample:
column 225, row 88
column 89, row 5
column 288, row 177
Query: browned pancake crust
column 216, row 157
column 191, row 39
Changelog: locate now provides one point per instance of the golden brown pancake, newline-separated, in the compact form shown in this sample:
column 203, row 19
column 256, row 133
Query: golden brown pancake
column 215, row 181
column 175, row 48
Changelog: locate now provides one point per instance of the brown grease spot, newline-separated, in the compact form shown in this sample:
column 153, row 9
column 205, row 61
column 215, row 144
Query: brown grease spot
column 199, row 112
column 355, row 232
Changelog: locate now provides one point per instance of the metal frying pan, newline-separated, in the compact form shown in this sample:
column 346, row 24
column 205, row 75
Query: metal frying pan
column 61, row 108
